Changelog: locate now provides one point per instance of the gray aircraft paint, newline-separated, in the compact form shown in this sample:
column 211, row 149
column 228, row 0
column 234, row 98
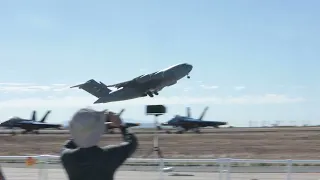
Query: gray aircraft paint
column 140, row 86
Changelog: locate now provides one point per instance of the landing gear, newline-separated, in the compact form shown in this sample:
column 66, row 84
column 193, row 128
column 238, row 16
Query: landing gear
column 150, row 94
column 188, row 77
column 179, row 132
column 13, row 133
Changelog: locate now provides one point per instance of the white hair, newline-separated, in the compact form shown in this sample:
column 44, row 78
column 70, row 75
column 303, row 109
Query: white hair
column 87, row 126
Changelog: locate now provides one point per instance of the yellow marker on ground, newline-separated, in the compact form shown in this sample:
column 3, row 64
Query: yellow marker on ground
column 30, row 161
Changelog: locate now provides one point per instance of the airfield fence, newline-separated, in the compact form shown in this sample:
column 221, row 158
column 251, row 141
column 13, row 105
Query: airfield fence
column 44, row 167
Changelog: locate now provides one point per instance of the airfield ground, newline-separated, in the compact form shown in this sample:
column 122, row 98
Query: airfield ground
column 266, row 143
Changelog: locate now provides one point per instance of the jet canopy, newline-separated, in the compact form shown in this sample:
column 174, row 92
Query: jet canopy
column 14, row 118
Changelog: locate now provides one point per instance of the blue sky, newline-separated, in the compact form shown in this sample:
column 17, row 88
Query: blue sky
column 253, row 60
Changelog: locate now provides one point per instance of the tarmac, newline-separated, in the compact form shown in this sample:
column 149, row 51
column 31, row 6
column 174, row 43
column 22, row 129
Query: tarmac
column 55, row 172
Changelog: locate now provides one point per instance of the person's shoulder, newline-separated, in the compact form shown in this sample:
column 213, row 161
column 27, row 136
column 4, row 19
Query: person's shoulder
column 65, row 153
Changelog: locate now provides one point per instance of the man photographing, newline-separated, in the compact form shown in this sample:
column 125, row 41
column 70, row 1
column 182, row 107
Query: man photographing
column 82, row 158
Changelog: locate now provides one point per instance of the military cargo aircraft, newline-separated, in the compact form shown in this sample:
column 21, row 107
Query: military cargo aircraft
column 185, row 123
column 29, row 125
column 141, row 86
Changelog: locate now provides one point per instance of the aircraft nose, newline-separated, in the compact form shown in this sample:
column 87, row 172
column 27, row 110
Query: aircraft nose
column 189, row 66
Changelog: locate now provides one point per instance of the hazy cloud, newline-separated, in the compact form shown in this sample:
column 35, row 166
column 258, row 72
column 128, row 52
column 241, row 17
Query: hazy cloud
column 239, row 88
column 29, row 87
column 80, row 101
column 37, row 21
column 208, row 87
column 299, row 87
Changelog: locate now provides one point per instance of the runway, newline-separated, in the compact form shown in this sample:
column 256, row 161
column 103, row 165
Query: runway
column 203, row 130
column 243, row 143
column 55, row 172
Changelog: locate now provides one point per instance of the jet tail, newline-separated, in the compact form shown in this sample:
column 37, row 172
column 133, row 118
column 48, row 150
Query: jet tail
column 203, row 113
column 45, row 116
column 188, row 112
column 33, row 116
column 94, row 88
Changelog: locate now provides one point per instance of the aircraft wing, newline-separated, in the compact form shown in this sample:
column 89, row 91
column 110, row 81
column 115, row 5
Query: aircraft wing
column 211, row 123
column 39, row 125
column 204, row 123
column 142, row 79
column 122, row 84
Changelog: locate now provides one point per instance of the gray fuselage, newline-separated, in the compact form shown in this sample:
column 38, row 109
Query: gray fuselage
column 149, row 83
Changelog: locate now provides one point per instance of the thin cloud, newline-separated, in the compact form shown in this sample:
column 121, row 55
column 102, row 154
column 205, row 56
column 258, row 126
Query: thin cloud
column 239, row 88
column 187, row 89
column 299, row 87
column 80, row 101
column 37, row 21
column 29, row 87
column 209, row 87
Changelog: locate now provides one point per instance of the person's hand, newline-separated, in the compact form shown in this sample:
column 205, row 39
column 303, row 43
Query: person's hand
column 114, row 119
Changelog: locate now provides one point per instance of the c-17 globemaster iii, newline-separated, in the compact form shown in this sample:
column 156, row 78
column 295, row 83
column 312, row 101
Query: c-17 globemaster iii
column 141, row 86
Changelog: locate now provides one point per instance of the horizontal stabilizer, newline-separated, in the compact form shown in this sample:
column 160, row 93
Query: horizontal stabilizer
column 79, row 85
column 94, row 88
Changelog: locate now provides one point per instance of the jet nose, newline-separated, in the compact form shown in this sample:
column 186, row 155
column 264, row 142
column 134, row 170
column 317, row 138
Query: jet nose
column 188, row 66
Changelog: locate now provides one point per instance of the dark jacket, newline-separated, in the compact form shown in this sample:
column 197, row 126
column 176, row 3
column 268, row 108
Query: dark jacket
column 97, row 163
column 2, row 174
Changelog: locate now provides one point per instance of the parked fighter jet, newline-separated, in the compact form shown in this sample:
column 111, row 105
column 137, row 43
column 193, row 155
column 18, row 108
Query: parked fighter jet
column 141, row 86
column 29, row 125
column 185, row 123
column 110, row 128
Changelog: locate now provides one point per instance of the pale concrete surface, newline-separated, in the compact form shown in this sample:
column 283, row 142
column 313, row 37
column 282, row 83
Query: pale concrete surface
column 206, row 169
column 59, row 174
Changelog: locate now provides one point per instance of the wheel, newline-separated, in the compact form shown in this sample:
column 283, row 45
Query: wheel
column 150, row 94
column 156, row 93
column 188, row 77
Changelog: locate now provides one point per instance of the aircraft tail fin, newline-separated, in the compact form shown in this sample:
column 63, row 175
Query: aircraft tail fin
column 203, row 113
column 33, row 116
column 188, row 112
column 94, row 88
column 45, row 116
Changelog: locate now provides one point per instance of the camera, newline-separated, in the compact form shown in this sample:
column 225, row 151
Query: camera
column 155, row 109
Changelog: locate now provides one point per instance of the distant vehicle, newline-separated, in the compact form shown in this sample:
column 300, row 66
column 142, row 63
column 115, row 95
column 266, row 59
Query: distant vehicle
column 29, row 125
column 141, row 86
column 185, row 123
column 110, row 129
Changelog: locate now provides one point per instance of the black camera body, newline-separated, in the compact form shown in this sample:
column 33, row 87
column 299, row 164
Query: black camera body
column 155, row 109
